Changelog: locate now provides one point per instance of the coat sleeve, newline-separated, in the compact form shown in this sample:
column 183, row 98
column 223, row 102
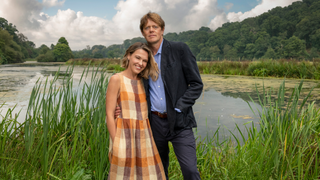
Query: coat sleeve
column 193, row 79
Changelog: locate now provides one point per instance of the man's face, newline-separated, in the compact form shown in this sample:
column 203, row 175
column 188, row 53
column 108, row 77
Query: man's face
column 152, row 32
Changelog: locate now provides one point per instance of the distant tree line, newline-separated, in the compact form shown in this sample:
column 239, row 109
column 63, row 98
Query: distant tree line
column 101, row 51
column 291, row 32
column 280, row 33
column 60, row 52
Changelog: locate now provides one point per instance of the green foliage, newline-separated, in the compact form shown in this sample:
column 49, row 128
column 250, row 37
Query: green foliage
column 63, row 40
column 282, row 32
column 14, row 46
column 294, row 48
column 263, row 68
column 3, row 60
column 47, row 57
column 43, row 49
column 62, row 53
column 314, row 53
column 64, row 135
column 270, row 54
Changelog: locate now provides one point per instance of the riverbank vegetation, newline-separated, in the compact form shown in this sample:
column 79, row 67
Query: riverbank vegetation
column 64, row 136
column 264, row 68
column 109, row 64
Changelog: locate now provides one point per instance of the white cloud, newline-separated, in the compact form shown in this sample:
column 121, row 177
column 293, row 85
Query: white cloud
column 200, row 14
column 218, row 21
column 81, row 30
column 264, row 6
column 22, row 13
column 52, row 3
column 171, row 4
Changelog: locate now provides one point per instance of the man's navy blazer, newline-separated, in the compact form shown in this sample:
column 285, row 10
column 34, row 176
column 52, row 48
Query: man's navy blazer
column 182, row 82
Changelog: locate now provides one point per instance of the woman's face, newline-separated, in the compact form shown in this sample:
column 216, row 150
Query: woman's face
column 138, row 61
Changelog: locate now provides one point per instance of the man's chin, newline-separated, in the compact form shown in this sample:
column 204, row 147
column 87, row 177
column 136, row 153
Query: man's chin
column 151, row 41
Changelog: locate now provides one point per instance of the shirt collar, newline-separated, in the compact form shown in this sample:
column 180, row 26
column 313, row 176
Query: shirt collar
column 160, row 48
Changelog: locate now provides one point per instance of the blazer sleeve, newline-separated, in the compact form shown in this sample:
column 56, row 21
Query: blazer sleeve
column 193, row 79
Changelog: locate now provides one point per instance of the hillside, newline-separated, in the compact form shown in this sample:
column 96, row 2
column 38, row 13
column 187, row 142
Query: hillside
column 280, row 33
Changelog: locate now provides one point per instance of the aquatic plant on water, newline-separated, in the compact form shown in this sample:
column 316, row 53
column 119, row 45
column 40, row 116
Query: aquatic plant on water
column 64, row 136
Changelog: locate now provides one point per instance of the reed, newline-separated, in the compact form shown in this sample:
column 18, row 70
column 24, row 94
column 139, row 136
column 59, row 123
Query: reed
column 266, row 68
column 64, row 136
column 286, row 146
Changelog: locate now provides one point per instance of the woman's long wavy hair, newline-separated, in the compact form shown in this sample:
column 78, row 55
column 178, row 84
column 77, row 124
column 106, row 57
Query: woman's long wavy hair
column 151, row 68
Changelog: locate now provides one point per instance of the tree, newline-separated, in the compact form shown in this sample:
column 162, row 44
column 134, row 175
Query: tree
column 62, row 52
column 308, row 26
column 261, row 44
column 9, row 49
column 273, row 25
column 294, row 48
column 314, row 53
column 250, row 51
column 215, row 52
column 47, row 57
column 315, row 39
column 43, row 49
column 63, row 40
column 9, row 27
column 270, row 54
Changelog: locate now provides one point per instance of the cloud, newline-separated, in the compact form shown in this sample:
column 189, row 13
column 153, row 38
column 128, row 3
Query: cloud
column 264, row 6
column 22, row 13
column 81, row 30
column 200, row 14
column 52, row 3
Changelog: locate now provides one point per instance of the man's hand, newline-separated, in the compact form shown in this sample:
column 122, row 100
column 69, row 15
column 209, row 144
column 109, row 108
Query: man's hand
column 117, row 112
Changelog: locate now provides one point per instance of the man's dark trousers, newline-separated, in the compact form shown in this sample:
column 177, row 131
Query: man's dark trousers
column 183, row 144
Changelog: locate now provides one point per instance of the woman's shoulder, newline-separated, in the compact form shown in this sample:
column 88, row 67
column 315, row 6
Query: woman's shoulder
column 115, row 78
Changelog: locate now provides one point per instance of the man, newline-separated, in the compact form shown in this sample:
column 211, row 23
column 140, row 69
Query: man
column 171, row 97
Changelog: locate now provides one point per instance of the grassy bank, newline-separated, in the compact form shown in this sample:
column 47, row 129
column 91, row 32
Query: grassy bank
column 110, row 64
column 64, row 136
column 266, row 68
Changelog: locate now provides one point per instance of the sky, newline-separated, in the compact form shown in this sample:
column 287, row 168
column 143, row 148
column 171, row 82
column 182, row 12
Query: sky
column 107, row 22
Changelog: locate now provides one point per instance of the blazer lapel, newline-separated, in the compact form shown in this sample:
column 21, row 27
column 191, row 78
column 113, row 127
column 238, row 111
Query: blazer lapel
column 164, row 58
column 165, row 63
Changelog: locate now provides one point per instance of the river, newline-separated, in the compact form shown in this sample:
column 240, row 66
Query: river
column 223, row 104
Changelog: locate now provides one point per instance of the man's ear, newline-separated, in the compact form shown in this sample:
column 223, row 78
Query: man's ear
column 142, row 33
column 163, row 31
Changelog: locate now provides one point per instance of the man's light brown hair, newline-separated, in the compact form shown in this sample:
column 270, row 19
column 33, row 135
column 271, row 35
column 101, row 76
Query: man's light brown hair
column 153, row 17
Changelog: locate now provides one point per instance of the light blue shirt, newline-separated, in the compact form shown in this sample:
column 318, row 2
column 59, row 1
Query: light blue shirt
column 156, row 88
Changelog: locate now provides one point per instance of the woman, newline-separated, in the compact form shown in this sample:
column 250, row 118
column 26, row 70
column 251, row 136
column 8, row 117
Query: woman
column 132, row 151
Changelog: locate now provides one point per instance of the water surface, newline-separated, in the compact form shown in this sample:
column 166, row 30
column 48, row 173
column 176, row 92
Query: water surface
column 223, row 104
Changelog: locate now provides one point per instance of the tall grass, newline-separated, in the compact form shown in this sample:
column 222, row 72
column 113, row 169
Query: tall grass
column 285, row 147
column 64, row 136
column 272, row 68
